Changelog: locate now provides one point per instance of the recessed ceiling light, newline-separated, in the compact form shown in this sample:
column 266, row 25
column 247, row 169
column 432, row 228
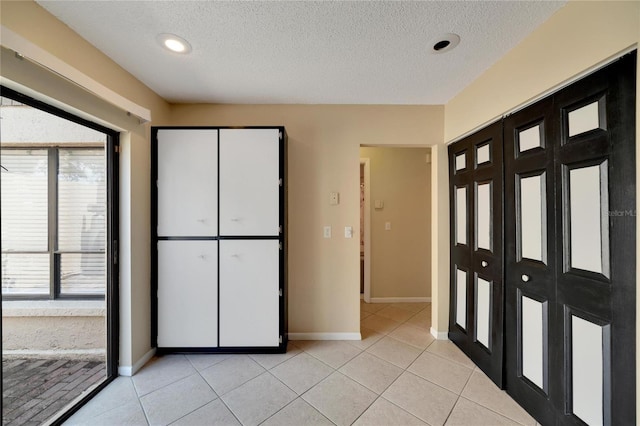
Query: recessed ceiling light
column 445, row 43
column 174, row 43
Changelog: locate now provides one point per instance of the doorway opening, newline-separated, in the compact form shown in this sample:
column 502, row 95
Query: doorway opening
column 395, row 239
column 59, row 208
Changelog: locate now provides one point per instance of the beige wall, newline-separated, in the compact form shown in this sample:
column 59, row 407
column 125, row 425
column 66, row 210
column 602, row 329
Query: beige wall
column 33, row 23
column 577, row 37
column 324, row 142
column 400, row 257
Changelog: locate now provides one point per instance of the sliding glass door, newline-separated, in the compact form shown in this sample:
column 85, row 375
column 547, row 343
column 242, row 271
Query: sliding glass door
column 59, row 259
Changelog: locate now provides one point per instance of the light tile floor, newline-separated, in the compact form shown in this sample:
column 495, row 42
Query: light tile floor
column 396, row 375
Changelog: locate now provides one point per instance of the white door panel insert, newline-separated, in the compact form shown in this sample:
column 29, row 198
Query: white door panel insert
column 483, row 216
column 529, row 138
column 587, row 370
column 584, row 119
column 461, row 215
column 249, row 293
column 461, row 161
column 533, row 340
column 187, row 182
column 483, row 312
column 249, row 182
column 483, row 154
column 588, row 232
column 532, row 217
column 187, row 293
column 461, row 298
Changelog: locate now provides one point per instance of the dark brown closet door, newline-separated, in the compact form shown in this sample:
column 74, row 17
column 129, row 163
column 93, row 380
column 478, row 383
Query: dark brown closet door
column 596, row 264
column 570, row 251
column 530, row 249
column 476, row 319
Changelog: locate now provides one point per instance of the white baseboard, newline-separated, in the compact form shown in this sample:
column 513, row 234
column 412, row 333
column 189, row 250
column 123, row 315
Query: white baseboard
column 127, row 370
column 400, row 299
column 325, row 336
column 439, row 335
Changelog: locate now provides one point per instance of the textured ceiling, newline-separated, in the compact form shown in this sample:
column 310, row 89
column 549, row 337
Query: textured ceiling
column 364, row 52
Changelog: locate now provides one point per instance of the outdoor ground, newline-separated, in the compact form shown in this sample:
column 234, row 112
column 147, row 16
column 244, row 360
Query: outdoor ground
column 33, row 390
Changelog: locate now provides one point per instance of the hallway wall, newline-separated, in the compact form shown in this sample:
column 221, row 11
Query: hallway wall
column 401, row 256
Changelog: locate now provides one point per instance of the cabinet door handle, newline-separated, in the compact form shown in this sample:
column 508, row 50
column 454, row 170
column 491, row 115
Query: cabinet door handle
column 525, row 278
column 203, row 256
column 484, row 263
column 235, row 219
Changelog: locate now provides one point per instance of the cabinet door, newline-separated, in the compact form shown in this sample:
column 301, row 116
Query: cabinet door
column 187, row 182
column 187, row 294
column 249, row 293
column 249, row 182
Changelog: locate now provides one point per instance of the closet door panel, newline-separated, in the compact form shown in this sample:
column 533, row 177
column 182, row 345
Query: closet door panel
column 187, row 182
column 249, row 293
column 187, row 294
column 530, row 258
column 596, row 280
column 475, row 170
column 249, row 182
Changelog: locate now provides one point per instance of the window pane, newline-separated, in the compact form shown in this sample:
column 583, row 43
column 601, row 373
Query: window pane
column 81, row 200
column 82, row 274
column 24, row 200
column 25, row 274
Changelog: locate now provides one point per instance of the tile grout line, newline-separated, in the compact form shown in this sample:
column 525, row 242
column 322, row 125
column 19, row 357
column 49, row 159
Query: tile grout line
column 294, row 399
column 404, row 370
column 453, row 407
column 219, row 397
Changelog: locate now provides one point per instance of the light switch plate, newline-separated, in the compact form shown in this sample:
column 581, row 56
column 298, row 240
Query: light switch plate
column 378, row 204
column 387, row 226
column 327, row 232
column 334, row 198
column 348, row 232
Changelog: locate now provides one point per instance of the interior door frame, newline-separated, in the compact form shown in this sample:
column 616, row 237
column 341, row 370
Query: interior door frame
column 367, row 228
column 112, row 294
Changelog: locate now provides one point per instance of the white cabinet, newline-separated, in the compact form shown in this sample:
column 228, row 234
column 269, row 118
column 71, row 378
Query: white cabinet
column 221, row 233
column 187, row 293
column 187, row 182
column 249, row 290
column 249, row 182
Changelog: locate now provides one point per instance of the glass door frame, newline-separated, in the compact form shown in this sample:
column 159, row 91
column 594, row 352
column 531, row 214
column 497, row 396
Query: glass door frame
column 112, row 296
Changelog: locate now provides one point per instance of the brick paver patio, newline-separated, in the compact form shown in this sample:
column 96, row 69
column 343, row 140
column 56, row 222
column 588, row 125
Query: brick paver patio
column 33, row 390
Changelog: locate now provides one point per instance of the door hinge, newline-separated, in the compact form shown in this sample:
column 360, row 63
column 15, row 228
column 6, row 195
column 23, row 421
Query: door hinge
column 280, row 291
column 279, row 182
column 280, row 135
column 280, row 339
column 115, row 252
column 117, row 149
column 280, row 229
column 280, row 246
